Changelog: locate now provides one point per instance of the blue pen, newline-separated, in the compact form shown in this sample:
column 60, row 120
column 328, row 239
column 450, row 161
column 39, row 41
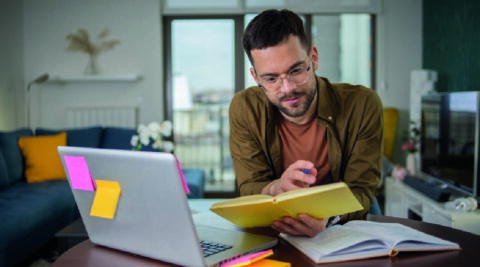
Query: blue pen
column 306, row 171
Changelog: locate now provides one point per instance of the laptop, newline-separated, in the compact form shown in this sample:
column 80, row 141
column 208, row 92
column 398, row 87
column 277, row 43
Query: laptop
column 151, row 216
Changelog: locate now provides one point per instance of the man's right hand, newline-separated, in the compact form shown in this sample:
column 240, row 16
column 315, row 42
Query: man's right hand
column 294, row 177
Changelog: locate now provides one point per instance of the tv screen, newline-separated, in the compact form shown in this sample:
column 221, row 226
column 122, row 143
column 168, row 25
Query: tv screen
column 449, row 130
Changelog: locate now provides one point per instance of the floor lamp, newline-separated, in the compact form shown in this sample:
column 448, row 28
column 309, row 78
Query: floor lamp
column 39, row 80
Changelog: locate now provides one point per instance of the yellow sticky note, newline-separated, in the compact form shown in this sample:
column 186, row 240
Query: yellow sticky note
column 270, row 263
column 248, row 259
column 106, row 199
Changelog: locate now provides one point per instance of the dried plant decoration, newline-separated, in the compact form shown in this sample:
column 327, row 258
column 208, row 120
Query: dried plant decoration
column 81, row 41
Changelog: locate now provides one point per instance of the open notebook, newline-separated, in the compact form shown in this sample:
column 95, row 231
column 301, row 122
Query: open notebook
column 365, row 239
column 135, row 201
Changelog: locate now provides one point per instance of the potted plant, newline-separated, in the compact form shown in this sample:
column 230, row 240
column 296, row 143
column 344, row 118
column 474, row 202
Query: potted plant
column 411, row 147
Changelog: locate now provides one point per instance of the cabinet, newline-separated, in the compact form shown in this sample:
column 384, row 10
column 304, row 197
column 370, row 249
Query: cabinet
column 405, row 202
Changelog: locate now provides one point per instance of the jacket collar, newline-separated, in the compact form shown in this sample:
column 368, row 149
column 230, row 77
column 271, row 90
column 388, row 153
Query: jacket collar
column 326, row 102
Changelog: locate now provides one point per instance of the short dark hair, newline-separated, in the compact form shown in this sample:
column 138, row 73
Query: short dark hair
column 272, row 27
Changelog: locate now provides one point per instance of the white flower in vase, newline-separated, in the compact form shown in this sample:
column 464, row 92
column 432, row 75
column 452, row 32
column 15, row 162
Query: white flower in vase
column 152, row 135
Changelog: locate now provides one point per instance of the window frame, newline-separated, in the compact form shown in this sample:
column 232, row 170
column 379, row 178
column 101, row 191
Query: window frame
column 239, row 82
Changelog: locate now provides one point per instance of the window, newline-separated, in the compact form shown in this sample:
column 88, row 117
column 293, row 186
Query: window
column 202, row 83
column 345, row 47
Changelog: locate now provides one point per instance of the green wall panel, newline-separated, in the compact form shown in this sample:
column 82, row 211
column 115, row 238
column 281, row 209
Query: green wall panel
column 451, row 43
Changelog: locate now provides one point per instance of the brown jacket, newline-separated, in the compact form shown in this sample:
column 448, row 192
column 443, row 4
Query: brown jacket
column 353, row 116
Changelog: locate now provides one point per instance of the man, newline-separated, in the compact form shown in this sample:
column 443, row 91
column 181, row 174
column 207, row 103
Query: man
column 296, row 130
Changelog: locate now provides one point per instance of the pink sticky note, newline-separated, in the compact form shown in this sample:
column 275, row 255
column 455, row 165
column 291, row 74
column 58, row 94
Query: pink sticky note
column 248, row 259
column 80, row 177
column 184, row 181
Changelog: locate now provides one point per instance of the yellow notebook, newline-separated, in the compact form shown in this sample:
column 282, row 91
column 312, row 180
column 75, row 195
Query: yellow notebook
column 321, row 202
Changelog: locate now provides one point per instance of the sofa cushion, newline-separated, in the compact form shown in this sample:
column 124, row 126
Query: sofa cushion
column 82, row 137
column 120, row 138
column 196, row 181
column 41, row 157
column 3, row 171
column 12, row 154
column 117, row 138
column 28, row 208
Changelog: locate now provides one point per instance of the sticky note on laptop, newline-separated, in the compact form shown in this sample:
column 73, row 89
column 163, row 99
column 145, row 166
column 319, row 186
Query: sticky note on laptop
column 80, row 177
column 106, row 199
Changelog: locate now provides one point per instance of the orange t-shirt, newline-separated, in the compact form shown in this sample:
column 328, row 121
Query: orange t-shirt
column 306, row 142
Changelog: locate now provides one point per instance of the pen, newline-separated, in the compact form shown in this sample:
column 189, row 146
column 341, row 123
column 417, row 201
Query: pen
column 306, row 171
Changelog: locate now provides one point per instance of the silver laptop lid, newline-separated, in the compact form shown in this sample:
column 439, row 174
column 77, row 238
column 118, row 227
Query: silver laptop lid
column 152, row 217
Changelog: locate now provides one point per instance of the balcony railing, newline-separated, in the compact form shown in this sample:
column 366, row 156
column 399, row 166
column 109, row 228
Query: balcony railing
column 201, row 141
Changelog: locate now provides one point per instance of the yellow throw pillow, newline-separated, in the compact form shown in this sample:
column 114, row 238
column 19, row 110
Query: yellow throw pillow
column 41, row 157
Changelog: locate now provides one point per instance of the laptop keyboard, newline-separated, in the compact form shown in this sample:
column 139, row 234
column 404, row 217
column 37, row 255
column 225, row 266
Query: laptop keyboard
column 209, row 248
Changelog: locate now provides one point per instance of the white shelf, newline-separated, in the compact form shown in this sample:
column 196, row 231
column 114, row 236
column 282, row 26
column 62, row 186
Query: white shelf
column 400, row 198
column 95, row 78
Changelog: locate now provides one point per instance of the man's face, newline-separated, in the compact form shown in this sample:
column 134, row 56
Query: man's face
column 273, row 65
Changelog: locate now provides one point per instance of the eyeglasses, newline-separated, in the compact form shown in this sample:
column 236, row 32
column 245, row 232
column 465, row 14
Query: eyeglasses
column 298, row 75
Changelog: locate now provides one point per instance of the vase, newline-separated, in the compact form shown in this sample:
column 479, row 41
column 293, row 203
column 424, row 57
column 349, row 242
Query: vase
column 92, row 65
column 412, row 163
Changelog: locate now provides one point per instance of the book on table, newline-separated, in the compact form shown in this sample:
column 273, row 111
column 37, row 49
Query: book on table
column 321, row 201
column 364, row 239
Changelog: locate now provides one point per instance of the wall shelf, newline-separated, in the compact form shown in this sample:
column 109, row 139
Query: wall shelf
column 95, row 78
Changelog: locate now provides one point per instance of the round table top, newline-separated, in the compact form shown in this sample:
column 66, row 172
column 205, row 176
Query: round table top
column 91, row 255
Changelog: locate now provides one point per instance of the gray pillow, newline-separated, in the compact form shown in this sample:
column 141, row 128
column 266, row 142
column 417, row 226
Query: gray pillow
column 12, row 154
column 3, row 171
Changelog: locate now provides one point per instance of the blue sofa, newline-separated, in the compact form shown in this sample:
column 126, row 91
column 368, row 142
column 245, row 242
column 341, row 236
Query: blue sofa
column 31, row 213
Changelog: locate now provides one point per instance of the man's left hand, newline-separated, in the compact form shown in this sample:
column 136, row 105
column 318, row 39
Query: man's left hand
column 304, row 226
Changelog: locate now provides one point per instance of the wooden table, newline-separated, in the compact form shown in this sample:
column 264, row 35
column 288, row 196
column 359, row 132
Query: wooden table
column 86, row 254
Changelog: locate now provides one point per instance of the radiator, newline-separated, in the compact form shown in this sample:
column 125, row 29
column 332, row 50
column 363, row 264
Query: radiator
column 118, row 116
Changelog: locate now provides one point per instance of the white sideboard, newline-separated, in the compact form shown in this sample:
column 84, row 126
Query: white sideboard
column 405, row 202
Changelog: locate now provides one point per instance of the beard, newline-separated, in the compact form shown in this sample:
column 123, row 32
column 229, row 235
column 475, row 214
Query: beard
column 299, row 109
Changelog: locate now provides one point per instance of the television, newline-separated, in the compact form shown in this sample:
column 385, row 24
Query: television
column 449, row 140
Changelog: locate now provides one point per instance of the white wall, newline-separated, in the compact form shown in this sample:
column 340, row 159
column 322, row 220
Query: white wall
column 399, row 51
column 11, row 65
column 136, row 24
